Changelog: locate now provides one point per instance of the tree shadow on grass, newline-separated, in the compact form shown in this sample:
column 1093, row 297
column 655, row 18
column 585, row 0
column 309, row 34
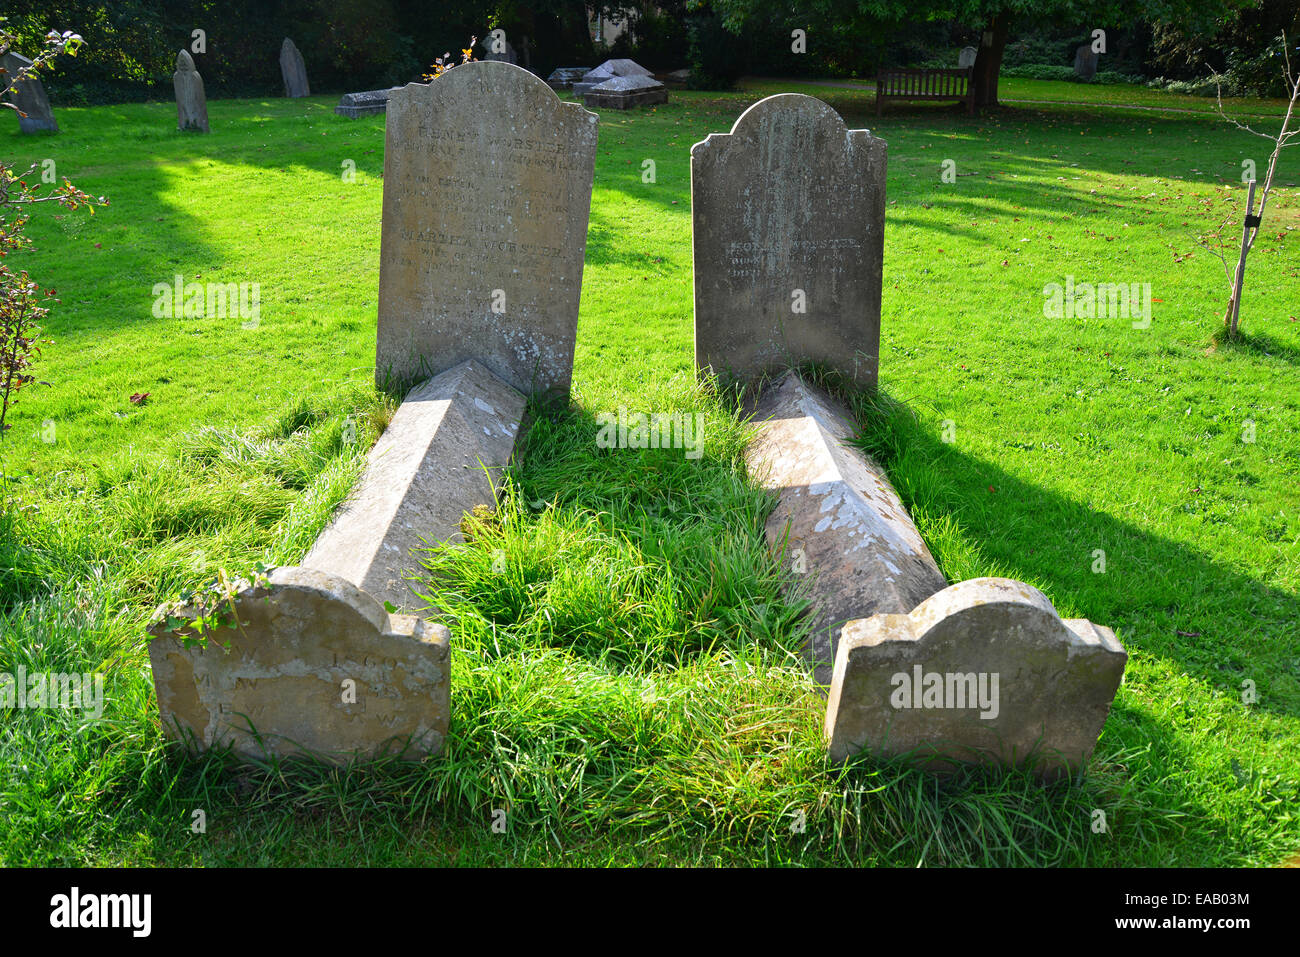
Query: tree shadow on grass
column 1259, row 344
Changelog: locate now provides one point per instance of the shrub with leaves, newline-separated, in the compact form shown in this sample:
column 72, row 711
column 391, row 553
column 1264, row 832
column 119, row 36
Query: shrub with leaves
column 21, row 299
column 444, row 63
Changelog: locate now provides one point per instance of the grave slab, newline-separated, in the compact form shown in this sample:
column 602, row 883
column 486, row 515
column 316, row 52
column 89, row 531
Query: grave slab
column 606, row 71
column 315, row 667
column 984, row 671
column 625, row 92
column 364, row 103
column 440, row 456
column 563, row 78
column 788, row 215
column 838, row 519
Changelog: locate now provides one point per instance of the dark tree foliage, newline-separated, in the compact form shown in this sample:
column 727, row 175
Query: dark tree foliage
column 996, row 21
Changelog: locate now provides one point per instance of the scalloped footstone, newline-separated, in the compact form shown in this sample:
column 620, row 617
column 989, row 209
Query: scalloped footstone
column 317, row 667
column 487, row 192
column 985, row 671
column 439, row 457
column 787, row 236
column 838, row 517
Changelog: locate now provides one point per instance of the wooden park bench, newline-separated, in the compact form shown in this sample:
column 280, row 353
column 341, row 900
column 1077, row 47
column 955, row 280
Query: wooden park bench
column 925, row 85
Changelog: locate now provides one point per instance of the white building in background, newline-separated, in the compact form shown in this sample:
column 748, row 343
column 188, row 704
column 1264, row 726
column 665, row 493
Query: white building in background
column 607, row 29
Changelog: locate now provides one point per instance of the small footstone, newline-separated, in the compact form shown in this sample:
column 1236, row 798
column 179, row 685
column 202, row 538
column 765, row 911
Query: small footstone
column 982, row 672
column 35, row 115
column 293, row 70
column 839, row 519
column 191, row 102
column 315, row 667
column 440, row 456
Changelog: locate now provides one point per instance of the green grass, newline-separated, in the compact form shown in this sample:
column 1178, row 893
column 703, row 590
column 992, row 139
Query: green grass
column 625, row 683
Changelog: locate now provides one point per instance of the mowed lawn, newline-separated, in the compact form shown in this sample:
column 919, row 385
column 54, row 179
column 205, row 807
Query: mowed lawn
column 627, row 691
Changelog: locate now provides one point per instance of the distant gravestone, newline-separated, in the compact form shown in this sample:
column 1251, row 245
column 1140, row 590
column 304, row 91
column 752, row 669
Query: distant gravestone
column 191, row 103
column 966, row 58
column 1085, row 62
column 29, row 96
column 487, row 192
column 294, row 70
column 788, row 215
column 508, row 55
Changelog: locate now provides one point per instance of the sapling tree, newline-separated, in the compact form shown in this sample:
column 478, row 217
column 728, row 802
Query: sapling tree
column 1252, row 222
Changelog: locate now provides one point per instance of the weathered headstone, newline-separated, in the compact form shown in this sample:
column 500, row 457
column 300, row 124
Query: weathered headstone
column 788, row 216
column 487, row 191
column 678, row 77
column 34, row 114
column 438, row 459
column 982, row 672
column 310, row 665
column 966, row 58
column 844, row 532
column 607, row 71
column 1085, row 62
column 191, row 103
column 625, row 92
column 293, row 70
column 364, row 103
column 564, row 77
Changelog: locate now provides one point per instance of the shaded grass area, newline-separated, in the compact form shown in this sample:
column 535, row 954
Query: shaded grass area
column 624, row 685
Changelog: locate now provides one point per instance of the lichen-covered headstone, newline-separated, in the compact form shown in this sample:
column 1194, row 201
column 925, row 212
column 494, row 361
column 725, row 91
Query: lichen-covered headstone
column 191, row 102
column 34, row 114
column 293, row 70
column 788, row 217
column 966, row 58
column 487, row 190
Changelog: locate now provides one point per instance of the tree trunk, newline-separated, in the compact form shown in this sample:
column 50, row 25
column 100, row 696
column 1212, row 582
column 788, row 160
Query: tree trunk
column 988, row 61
